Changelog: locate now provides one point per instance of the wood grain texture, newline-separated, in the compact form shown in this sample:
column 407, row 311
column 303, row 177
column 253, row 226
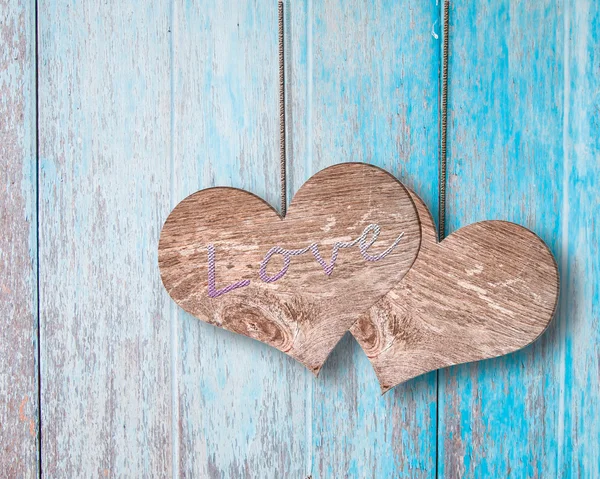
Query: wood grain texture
column 135, row 388
column 18, row 249
column 364, row 87
column 105, row 189
column 523, row 147
column 486, row 290
column 241, row 405
column 578, row 441
column 291, row 302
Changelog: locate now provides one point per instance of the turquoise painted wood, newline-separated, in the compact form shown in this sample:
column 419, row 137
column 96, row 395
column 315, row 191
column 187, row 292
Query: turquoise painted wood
column 141, row 105
column 364, row 87
column 105, row 186
column 524, row 146
column 18, row 256
column 263, row 412
column 241, row 406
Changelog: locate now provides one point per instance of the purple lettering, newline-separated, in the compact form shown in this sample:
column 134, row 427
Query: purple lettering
column 213, row 292
column 286, row 263
column 364, row 246
column 363, row 242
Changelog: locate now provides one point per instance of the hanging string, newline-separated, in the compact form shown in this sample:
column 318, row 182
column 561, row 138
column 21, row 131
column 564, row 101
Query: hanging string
column 442, row 180
column 444, row 118
column 444, row 127
column 282, row 157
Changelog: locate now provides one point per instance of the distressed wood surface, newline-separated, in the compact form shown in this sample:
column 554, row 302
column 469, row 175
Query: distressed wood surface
column 143, row 105
column 18, row 248
column 292, row 303
column 241, row 405
column 524, row 147
column 364, row 87
column 486, row 290
column 578, row 441
column 105, row 188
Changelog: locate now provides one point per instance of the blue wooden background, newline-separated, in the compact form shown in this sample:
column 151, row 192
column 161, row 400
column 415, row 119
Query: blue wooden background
column 111, row 112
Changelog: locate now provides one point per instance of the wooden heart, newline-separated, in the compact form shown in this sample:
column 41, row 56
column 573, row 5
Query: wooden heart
column 486, row 290
column 298, row 284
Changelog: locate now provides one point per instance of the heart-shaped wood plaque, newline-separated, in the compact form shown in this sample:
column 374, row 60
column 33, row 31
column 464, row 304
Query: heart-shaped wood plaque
column 486, row 290
column 299, row 283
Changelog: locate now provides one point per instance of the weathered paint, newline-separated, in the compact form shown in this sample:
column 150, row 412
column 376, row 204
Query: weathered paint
column 524, row 131
column 104, row 90
column 241, row 405
column 364, row 87
column 578, row 442
column 142, row 105
column 18, row 296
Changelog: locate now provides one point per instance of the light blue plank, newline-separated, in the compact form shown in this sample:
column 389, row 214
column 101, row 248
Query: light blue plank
column 117, row 353
column 501, row 417
column 364, row 87
column 242, row 404
column 578, row 442
column 18, row 249
column 523, row 147
column 104, row 189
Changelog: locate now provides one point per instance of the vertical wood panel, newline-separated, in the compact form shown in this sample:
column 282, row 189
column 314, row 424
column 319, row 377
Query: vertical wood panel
column 18, row 369
column 578, row 441
column 364, row 87
column 242, row 404
column 143, row 105
column 104, row 90
column 523, row 147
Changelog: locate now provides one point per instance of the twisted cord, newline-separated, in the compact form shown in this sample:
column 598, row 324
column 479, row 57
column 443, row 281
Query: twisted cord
column 282, row 157
column 444, row 127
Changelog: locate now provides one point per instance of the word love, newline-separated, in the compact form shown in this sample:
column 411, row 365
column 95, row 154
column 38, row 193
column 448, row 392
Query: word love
column 300, row 301
column 363, row 242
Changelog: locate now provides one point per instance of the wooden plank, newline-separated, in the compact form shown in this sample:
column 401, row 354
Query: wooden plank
column 287, row 282
column 18, row 241
column 364, row 87
column 578, row 441
column 105, row 188
column 523, row 147
column 241, row 404
column 486, row 290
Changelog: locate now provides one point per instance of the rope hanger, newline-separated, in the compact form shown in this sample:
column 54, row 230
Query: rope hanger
column 282, row 157
column 443, row 119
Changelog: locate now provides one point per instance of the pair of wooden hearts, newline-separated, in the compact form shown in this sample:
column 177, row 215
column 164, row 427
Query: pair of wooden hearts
column 357, row 251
